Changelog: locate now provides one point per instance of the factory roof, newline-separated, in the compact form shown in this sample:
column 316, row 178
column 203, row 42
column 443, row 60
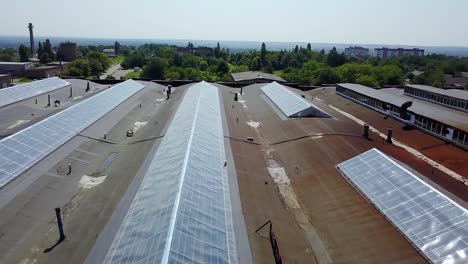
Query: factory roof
column 254, row 75
column 396, row 97
column 455, row 93
column 279, row 170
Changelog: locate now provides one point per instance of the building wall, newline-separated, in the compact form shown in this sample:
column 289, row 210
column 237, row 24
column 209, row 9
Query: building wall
column 16, row 69
column 42, row 73
column 386, row 53
column 356, row 52
column 447, row 101
column 5, row 81
column 426, row 124
column 68, row 51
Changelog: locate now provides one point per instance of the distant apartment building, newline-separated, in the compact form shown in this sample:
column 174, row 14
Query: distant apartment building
column 356, row 52
column 109, row 52
column 193, row 50
column 386, row 53
column 68, row 51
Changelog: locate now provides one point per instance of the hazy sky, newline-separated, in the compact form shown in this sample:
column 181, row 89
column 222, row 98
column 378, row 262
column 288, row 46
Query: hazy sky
column 412, row 22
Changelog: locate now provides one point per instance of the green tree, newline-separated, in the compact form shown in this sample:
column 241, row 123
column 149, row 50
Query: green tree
column 47, row 48
column 7, row 55
column 327, row 75
column 44, row 58
column 222, row 67
column 335, row 59
column 78, row 67
column 154, row 69
column 98, row 62
column 117, row 48
column 309, row 47
column 217, row 51
column 367, row 80
column 263, row 52
column 23, row 52
column 349, row 72
column 134, row 59
column 39, row 49
column 389, row 75
column 256, row 64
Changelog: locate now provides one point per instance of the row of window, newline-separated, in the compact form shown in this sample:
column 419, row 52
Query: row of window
column 446, row 100
column 425, row 123
column 460, row 137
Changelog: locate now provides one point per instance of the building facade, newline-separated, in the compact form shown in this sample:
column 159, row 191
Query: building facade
column 456, row 99
column 449, row 125
column 68, row 51
column 193, row 50
column 43, row 72
column 356, row 52
column 5, row 80
column 14, row 68
column 386, row 53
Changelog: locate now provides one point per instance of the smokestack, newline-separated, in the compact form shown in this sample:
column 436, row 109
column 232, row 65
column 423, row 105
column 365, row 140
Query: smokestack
column 31, row 39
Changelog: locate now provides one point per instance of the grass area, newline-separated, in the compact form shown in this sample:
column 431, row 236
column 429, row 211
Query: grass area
column 278, row 73
column 24, row 80
column 117, row 60
column 133, row 74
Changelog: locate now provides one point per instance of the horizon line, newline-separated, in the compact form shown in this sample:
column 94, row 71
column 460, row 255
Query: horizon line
column 252, row 41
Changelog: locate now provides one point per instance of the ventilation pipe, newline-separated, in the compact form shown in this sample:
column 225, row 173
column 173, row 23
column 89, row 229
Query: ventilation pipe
column 366, row 131
column 389, row 136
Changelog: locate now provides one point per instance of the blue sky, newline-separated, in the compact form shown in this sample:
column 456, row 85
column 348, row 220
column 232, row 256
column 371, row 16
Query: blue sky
column 411, row 22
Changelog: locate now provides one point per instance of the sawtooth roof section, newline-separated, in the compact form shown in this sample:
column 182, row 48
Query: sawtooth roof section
column 291, row 104
column 182, row 210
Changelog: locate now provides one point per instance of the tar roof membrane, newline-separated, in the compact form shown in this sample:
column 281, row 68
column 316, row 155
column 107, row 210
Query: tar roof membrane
column 24, row 91
column 22, row 150
column 435, row 224
column 290, row 103
column 460, row 94
column 396, row 97
column 182, row 210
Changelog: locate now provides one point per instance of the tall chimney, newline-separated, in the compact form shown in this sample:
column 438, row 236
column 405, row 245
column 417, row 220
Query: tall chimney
column 31, row 40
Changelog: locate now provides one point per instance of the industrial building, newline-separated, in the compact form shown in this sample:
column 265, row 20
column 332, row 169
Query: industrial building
column 14, row 68
column 448, row 124
column 43, row 72
column 123, row 174
column 387, row 53
column 456, row 99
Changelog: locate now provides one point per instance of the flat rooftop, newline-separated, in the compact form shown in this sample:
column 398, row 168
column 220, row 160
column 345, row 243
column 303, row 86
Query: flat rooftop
column 455, row 93
column 286, row 174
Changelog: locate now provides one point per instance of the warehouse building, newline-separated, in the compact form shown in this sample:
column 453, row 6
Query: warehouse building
column 14, row 68
column 447, row 124
column 456, row 99
column 42, row 72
